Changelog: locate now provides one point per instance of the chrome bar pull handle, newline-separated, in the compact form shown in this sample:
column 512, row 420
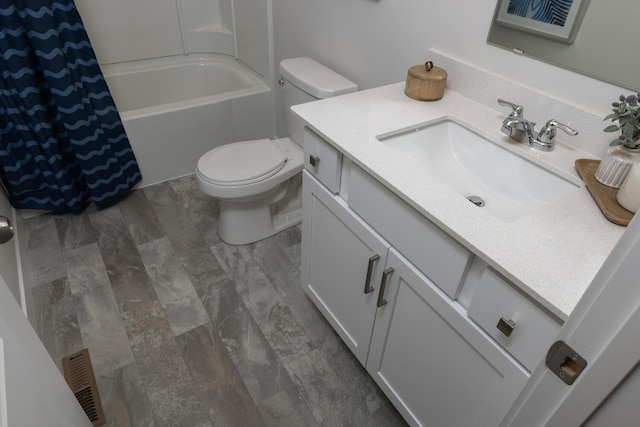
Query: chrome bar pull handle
column 6, row 229
column 383, row 286
column 314, row 160
column 367, row 282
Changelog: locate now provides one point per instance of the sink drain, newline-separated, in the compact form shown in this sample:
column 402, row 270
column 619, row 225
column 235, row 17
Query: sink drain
column 476, row 200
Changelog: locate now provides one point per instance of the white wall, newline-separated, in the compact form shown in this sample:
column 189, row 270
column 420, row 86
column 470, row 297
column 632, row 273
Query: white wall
column 124, row 30
column 374, row 42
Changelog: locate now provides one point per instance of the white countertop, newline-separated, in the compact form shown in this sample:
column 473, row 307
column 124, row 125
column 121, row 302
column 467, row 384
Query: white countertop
column 552, row 253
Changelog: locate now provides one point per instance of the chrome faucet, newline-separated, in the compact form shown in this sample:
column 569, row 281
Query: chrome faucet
column 522, row 130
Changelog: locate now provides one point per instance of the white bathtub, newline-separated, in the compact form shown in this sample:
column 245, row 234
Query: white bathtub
column 175, row 109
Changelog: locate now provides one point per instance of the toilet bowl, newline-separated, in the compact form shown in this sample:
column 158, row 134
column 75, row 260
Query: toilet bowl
column 252, row 181
column 258, row 183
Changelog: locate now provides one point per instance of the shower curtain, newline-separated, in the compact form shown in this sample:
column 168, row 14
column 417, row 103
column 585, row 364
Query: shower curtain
column 61, row 138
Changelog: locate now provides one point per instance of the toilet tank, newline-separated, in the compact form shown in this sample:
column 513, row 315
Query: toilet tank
column 305, row 80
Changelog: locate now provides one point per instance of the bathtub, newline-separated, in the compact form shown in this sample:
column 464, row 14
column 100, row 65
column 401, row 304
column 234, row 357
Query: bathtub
column 175, row 109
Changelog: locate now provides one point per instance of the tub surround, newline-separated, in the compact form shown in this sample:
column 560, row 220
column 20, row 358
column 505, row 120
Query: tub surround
column 552, row 253
column 207, row 26
column 147, row 87
column 169, row 128
column 123, row 31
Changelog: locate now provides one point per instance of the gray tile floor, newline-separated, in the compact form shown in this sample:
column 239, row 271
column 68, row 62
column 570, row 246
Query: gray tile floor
column 185, row 330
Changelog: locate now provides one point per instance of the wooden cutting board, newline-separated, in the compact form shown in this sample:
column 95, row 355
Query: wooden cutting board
column 604, row 196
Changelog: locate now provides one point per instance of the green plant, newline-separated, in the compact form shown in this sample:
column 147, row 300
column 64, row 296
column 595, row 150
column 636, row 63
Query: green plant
column 627, row 113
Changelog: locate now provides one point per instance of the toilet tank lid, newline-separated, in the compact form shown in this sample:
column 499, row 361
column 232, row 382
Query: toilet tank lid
column 314, row 78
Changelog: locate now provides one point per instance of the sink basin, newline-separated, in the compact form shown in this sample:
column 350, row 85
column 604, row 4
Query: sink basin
column 502, row 182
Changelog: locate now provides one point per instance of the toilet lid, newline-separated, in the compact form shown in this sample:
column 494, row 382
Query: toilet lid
column 241, row 162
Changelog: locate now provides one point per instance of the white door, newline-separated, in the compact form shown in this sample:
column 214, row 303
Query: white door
column 342, row 264
column 460, row 378
column 603, row 329
column 32, row 390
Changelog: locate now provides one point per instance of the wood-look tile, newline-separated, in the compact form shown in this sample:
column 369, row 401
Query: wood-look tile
column 203, row 209
column 179, row 300
column 170, row 388
column 35, row 221
column 334, row 398
column 44, row 251
column 203, row 281
column 279, row 399
column 322, row 389
column 278, row 257
column 124, row 398
column 129, row 279
column 255, row 360
column 139, row 218
column 287, row 408
column 233, row 333
column 57, row 323
column 75, row 230
column 187, row 241
column 273, row 316
column 98, row 316
column 386, row 416
column 167, row 381
column 364, row 394
column 280, row 264
column 224, row 395
column 147, row 328
column 164, row 374
column 289, row 240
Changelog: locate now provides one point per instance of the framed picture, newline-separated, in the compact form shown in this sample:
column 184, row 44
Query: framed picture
column 555, row 19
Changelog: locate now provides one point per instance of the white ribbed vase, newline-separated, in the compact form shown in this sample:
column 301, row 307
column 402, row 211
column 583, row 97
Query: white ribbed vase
column 629, row 195
column 616, row 164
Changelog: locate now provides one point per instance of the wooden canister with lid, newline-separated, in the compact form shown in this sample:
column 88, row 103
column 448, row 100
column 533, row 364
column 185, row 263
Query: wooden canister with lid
column 425, row 82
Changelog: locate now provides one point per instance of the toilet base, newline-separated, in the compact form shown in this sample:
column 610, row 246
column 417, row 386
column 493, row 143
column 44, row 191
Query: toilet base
column 248, row 221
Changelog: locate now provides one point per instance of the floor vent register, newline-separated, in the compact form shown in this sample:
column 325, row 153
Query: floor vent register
column 79, row 375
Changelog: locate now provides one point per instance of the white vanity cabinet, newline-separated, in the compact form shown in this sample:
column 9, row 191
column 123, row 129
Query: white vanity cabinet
column 388, row 281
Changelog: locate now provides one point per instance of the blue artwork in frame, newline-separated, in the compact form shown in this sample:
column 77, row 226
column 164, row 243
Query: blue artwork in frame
column 550, row 11
column 556, row 19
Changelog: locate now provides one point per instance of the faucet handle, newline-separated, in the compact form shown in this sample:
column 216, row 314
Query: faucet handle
column 548, row 132
column 518, row 110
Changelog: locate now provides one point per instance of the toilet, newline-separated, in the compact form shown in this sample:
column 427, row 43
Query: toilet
column 258, row 183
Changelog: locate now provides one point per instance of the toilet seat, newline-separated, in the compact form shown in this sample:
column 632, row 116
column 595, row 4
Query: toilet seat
column 241, row 163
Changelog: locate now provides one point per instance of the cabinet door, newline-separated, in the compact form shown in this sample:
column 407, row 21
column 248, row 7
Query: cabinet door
column 436, row 366
column 342, row 265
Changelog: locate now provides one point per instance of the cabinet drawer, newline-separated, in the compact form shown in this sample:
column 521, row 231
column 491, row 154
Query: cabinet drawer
column 533, row 330
column 322, row 160
column 439, row 257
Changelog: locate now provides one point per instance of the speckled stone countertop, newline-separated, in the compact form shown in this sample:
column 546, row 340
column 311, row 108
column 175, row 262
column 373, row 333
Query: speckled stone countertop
column 552, row 253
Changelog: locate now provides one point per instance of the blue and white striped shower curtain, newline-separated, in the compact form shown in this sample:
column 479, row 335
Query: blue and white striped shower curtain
column 61, row 137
